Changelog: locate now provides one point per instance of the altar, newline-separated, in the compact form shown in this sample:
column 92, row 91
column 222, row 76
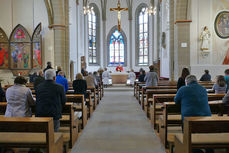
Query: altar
column 119, row 77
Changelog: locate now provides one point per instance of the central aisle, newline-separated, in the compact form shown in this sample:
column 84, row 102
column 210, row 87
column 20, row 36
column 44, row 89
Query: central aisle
column 118, row 126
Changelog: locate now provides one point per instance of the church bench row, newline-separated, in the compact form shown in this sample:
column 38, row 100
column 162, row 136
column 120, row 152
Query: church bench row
column 202, row 133
column 155, row 104
column 68, row 123
column 140, row 89
column 142, row 92
column 30, row 132
column 170, row 120
column 150, row 93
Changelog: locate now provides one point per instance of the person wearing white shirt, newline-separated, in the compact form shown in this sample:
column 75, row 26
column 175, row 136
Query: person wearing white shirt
column 132, row 77
column 105, row 76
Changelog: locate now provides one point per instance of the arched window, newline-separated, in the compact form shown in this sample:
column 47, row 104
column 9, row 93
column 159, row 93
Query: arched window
column 93, row 35
column 20, row 48
column 36, row 44
column 142, row 34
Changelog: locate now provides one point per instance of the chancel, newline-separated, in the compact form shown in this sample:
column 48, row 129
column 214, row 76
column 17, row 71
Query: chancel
column 114, row 76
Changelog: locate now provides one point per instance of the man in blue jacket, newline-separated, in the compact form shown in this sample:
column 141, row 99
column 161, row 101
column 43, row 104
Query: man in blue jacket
column 60, row 79
column 50, row 98
column 194, row 101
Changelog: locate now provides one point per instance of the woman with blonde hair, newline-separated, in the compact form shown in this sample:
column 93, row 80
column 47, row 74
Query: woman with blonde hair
column 79, row 85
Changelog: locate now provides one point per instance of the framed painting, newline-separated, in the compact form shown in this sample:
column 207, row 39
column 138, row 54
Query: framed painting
column 4, row 50
column 222, row 24
column 20, row 49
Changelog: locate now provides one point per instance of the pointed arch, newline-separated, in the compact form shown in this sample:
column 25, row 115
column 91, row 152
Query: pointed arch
column 142, row 35
column 20, row 48
column 4, row 50
column 94, row 35
column 37, row 47
column 49, row 7
column 116, row 47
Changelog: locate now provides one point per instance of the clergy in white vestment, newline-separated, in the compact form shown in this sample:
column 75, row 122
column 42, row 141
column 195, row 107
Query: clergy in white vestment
column 132, row 77
column 106, row 77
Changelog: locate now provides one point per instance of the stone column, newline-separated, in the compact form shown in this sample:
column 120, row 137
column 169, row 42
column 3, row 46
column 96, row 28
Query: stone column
column 104, row 40
column 172, row 20
column 60, row 27
column 130, row 6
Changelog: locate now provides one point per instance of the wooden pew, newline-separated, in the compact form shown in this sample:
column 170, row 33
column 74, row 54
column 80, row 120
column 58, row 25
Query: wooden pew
column 142, row 94
column 144, row 88
column 29, row 132
column 79, row 106
column 172, row 118
column 203, row 132
column 89, row 103
column 156, row 110
column 93, row 96
column 149, row 97
column 136, row 88
column 68, row 123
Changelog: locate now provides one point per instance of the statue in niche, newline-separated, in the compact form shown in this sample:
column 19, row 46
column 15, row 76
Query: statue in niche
column 205, row 39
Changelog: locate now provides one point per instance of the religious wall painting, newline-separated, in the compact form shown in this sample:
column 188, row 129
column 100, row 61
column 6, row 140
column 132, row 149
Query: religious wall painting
column 20, row 48
column 222, row 24
column 36, row 44
column 4, row 50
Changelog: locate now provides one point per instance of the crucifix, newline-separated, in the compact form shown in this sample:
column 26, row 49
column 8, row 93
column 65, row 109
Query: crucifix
column 119, row 9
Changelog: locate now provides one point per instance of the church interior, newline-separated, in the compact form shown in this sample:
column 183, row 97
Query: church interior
column 138, row 52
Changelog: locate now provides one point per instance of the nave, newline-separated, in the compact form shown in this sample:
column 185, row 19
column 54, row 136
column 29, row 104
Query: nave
column 118, row 125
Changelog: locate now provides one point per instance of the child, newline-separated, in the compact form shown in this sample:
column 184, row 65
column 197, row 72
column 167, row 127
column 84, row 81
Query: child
column 220, row 86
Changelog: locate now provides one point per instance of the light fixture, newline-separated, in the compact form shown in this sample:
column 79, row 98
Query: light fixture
column 87, row 9
column 152, row 10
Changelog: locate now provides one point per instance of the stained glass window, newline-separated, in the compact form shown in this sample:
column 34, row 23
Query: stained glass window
column 92, row 54
column 4, row 50
column 143, row 40
column 20, row 48
column 36, row 39
column 117, row 48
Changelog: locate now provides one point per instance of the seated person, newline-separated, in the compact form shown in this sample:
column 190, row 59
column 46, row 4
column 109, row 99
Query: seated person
column 91, row 82
column 38, row 79
column 220, row 86
column 119, row 68
column 2, row 93
column 19, row 99
column 80, row 85
column 142, row 76
column 194, row 101
column 206, row 76
column 181, row 81
column 60, row 79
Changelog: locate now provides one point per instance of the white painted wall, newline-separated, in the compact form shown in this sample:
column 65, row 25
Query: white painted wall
column 28, row 13
column 204, row 13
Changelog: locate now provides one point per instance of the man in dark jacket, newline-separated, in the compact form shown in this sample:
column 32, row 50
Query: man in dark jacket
column 50, row 98
column 39, row 79
column 49, row 66
column 2, row 93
